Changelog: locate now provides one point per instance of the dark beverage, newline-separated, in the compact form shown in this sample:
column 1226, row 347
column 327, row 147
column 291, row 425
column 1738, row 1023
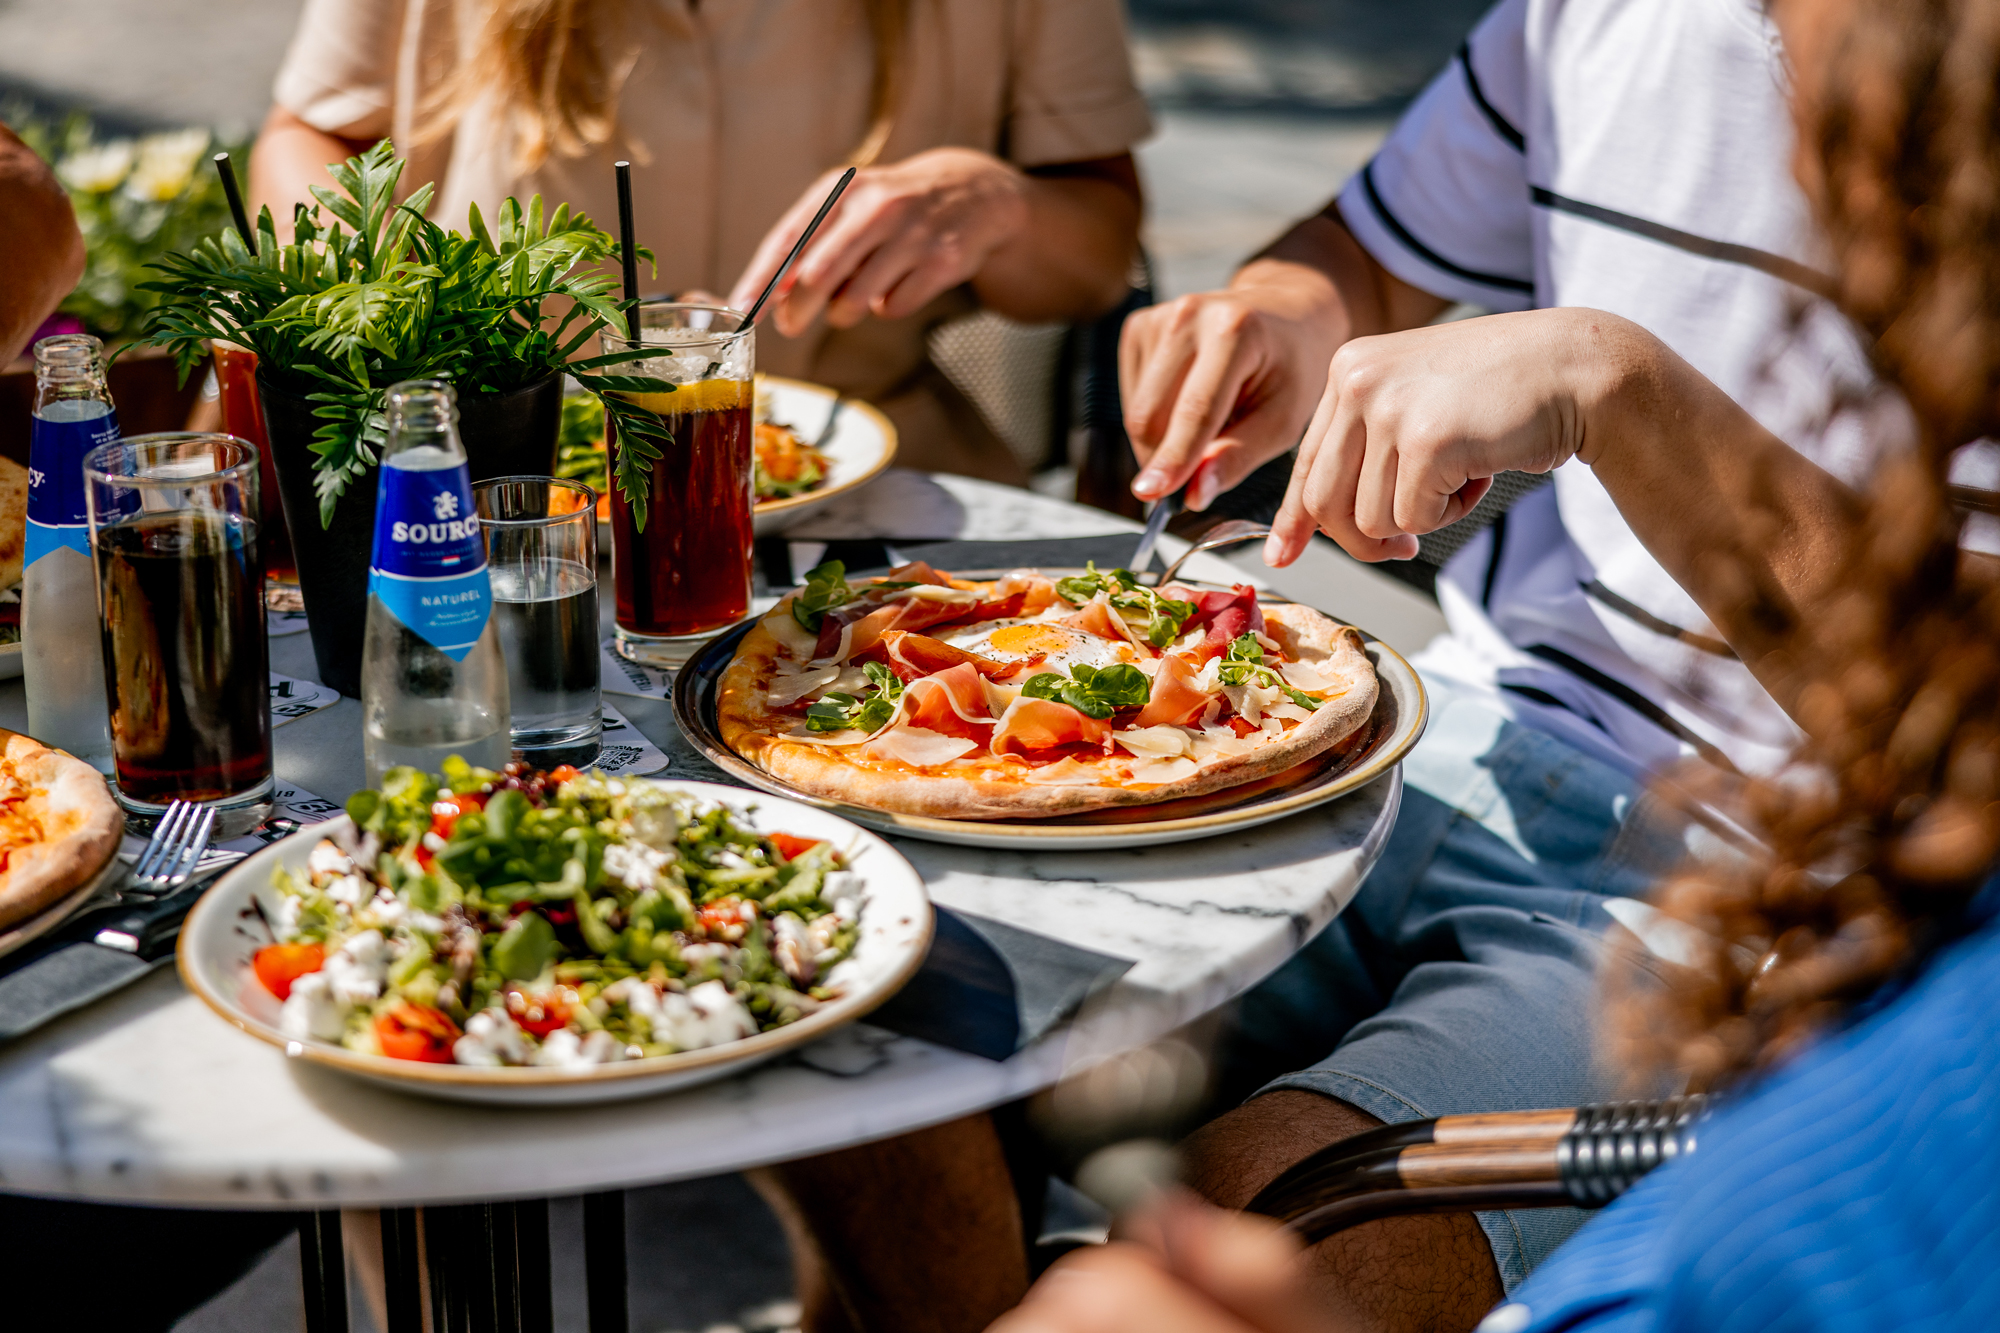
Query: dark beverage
column 243, row 417
column 184, row 655
column 689, row 571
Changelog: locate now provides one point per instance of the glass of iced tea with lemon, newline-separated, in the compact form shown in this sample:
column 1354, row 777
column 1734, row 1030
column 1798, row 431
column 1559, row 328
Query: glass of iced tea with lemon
column 680, row 559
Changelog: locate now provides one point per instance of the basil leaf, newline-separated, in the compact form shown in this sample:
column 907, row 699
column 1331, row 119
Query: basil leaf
column 830, row 713
column 1093, row 691
column 885, row 680
column 825, row 588
column 1080, row 698
column 1048, row 685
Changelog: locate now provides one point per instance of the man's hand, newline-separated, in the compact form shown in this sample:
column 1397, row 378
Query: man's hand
column 1414, row 425
column 41, row 251
column 1217, row 384
column 899, row 236
column 1185, row 1268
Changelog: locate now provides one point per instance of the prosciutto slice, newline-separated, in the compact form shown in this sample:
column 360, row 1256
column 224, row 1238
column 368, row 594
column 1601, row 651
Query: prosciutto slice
column 951, row 703
column 1096, row 617
column 913, row 656
column 1031, row 726
column 1227, row 616
column 1177, row 701
column 848, row 631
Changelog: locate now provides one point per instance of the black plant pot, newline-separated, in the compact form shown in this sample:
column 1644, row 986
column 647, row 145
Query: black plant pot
column 505, row 434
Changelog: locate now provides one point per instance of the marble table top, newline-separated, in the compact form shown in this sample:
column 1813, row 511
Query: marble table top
column 148, row 1098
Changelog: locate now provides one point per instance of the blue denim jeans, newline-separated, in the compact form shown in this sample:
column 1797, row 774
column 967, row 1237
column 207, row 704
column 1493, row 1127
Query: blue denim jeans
column 1462, row 977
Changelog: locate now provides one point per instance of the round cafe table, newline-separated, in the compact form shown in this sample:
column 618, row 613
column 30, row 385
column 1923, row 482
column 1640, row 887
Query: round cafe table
column 146, row 1097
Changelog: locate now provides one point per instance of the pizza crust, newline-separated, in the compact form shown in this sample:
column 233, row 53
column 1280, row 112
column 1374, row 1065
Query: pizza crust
column 62, row 831
column 752, row 728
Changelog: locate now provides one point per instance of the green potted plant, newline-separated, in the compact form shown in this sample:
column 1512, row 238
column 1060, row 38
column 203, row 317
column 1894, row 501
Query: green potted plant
column 376, row 294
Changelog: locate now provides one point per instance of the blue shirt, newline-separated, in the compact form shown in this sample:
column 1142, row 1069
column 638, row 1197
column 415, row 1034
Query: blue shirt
column 1858, row 1187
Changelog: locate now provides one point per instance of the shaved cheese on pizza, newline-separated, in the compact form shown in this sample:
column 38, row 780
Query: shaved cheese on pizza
column 788, row 687
column 1155, row 742
column 1066, row 772
column 1305, row 676
column 1163, row 770
column 793, row 637
column 919, row 748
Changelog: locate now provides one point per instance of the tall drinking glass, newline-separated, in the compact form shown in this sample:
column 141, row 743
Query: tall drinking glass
column 685, row 572
column 541, row 554
column 180, row 599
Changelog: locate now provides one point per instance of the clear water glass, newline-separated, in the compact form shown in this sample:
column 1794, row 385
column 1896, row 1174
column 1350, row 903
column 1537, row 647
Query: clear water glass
column 541, row 552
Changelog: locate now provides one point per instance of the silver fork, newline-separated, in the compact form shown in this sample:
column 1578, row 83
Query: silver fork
column 172, row 853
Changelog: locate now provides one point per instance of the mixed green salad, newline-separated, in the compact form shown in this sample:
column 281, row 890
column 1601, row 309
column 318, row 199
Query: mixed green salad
column 561, row 918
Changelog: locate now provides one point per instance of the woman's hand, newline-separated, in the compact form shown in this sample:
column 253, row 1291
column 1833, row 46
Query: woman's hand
column 1184, row 1268
column 1048, row 244
column 1413, row 426
column 899, row 236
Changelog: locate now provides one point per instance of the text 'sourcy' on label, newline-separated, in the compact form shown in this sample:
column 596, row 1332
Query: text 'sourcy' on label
column 429, row 566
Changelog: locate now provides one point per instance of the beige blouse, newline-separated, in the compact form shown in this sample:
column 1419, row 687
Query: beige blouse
column 728, row 111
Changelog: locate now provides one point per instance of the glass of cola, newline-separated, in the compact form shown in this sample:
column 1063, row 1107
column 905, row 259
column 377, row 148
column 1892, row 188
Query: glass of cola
column 180, row 600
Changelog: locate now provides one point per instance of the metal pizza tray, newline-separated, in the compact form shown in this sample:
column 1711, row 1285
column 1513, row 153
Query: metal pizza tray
column 1401, row 712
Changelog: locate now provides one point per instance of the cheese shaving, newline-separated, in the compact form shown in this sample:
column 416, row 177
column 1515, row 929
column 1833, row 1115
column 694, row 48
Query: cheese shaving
column 1289, row 710
column 1161, row 742
column 931, row 592
column 1065, row 772
column 1305, row 676
column 1163, row 770
column 788, row 687
column 1219, row 743
column 919, row 748
column 793, row 637
column 1251, row 701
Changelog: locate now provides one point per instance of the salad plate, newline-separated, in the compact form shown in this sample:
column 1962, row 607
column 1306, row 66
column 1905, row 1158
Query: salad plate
column 884, row 912
column 1397, row 723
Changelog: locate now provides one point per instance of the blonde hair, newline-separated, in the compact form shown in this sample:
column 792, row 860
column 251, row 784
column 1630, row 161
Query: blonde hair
column 540, row 60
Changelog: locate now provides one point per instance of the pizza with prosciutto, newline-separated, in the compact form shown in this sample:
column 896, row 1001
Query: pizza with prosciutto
column 1034, row 696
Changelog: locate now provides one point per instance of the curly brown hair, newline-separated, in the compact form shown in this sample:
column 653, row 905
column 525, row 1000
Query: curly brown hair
column 1888, row 821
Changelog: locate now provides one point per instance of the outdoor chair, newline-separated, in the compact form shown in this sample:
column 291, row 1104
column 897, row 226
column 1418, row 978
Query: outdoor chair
column 1583, row 1157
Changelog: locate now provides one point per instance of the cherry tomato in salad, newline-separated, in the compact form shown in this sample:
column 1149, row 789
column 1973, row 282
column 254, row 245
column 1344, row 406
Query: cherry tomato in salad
column 792, row 847
column 726, row 919
column 278, row 965
column 416, row 1032
column 540, row 1014
column 564, row 773
column 446, row 810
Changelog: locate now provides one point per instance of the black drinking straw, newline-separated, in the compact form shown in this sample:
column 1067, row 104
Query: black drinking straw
column 235, row 197
column 625, row 251
column 785, row 267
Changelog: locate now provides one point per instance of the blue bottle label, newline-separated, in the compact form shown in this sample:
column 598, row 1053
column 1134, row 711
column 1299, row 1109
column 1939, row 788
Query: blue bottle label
column 429, row 566
column 57, row 514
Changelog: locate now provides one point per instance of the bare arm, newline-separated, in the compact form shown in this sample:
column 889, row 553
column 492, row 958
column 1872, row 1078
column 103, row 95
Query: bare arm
column 41, row 251
column 1226, row 381
column 1052, row 243
column 1413, row 426
column 291, row 155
